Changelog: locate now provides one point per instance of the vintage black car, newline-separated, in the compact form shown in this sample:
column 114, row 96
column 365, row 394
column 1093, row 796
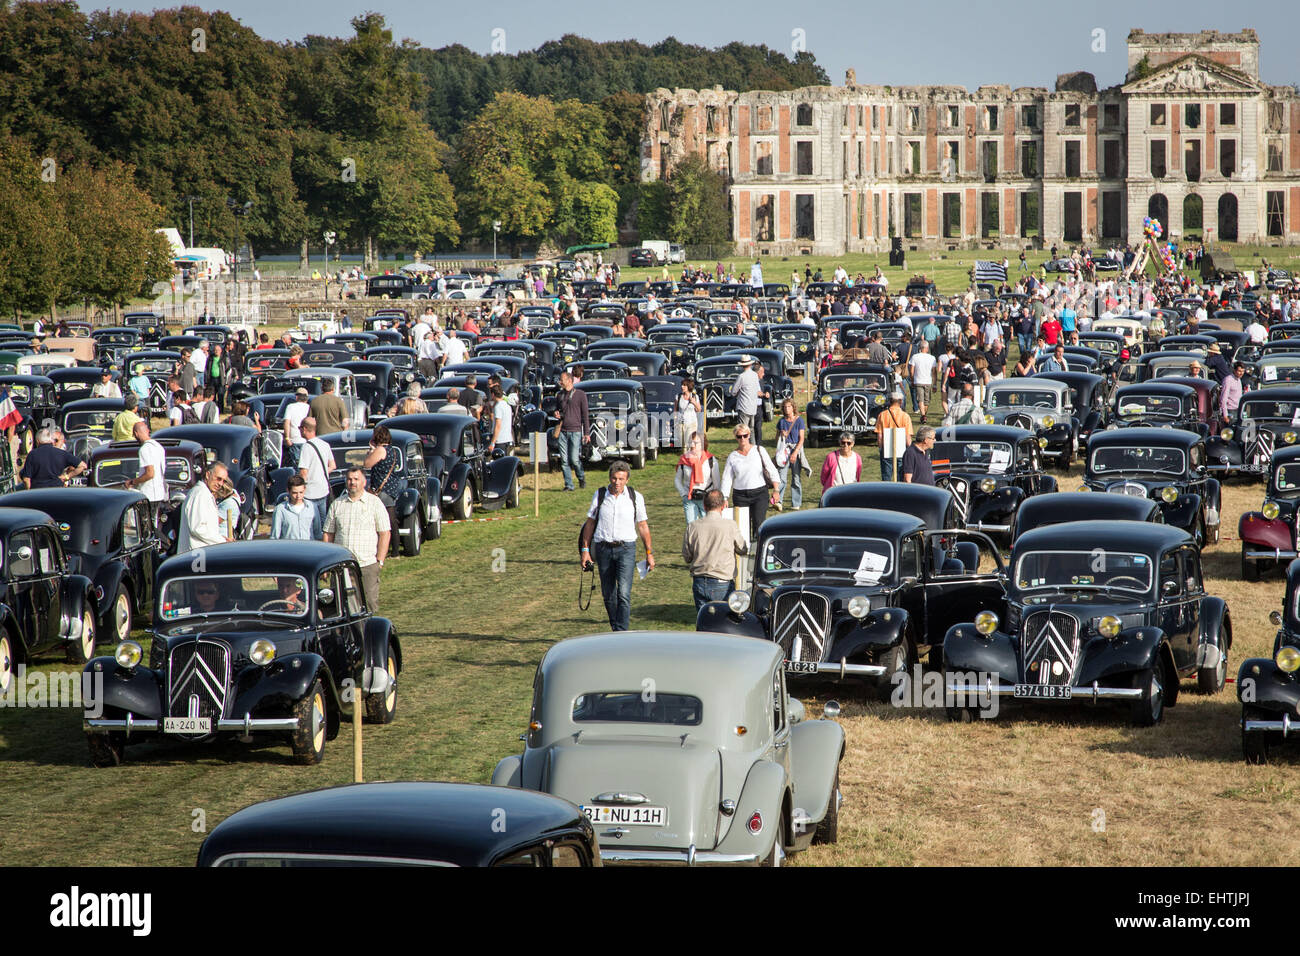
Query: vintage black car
column 112, row 464
column 1090, row 396
column 936, row 506
column 44, row 605
column 405, row 360
column 379, row 385
column 714, row 378
column 88, row 423
column 1268, row 536
column 675, row 342
column 1157, row 404
column 113, row 344
column 157, row 366
column 722, row 344
column 1060, row 507
column 253, row 460
column 260, row 640
column 1167, row 465
column 858, row 592
column 261, row 368
column 404, row 824
column 848, row 398
column 640, row 363
column 354, row 342
column 620, row 423
column 661, row 395
column 798, row 342
column 1095, row 611
column 991, row 470
column 1266, row 419
column 152, row 325
column 1268, row 687
column 33, row 397
column 109, row 537
column 417, row 507
column 75, row 382
column 456, row 455
column 1110, row 346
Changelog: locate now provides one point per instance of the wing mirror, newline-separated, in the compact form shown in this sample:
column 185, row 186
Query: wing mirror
column 325, row 596
column 1169, row 589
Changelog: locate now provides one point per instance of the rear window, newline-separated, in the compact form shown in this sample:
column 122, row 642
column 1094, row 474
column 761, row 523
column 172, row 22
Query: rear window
column 640, row 707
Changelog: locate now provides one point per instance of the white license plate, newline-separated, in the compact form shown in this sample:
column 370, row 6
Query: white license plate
column 1044, row 691
column 801, row 667
column 187, row 725
column 642, row 816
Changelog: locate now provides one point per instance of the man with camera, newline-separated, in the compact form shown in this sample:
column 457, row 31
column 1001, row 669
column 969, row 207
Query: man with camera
column 617, row 516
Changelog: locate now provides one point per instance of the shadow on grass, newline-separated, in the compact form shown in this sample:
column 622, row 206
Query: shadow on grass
column 1208, row 731
column 502, row 638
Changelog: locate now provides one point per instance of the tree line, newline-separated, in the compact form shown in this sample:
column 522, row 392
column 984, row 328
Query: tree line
column 126, row 120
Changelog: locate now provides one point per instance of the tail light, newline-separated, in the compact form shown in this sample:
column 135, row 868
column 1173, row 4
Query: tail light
column 755, row 823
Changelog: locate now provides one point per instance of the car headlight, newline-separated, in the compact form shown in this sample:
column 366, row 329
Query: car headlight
column 1289, row 438
column 986, row 622
column 1287, row 659
column 1048, row 421
column 826, row 400
column 678, row 352
column 1270, row 510
column 838, row 420
column 1226, row 434
column 1108, row 626
column 1042, row 443
column 880, row 399
column 987, row 486
column 738, row 601
column 128, row 654
column 262, row 652
column 988, row 420
column 859, row 606
column 618, row 424
column 1169, row 493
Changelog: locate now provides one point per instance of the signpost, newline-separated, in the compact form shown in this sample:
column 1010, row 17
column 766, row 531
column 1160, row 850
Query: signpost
column 537, row 452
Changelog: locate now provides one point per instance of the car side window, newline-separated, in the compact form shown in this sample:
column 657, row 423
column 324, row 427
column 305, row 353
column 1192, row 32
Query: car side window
column 414, row 459
column 533, row 856
column 467, row 443
column 47, row 557
column 352, row 590
column 909, row 558
column 20, row 567
column 131, row 528
column 567, row 854
column 1192, row 571
column 778, row 700
column 1169, row 572
column 332, row 609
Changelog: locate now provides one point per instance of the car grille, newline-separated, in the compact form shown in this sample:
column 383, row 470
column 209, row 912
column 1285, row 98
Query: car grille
column 1261, row 450
column 801, row 624
column 198, row 679
column 715, row 402
column 1049, row 638
column 598, row 432
column 788, row 349
column 1020, row 420
column 853, row 409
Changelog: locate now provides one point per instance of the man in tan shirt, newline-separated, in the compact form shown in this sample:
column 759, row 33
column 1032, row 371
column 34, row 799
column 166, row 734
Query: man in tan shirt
column 329, row 411
column 710, row 548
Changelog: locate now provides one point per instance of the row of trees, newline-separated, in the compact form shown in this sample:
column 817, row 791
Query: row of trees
column 386, row 144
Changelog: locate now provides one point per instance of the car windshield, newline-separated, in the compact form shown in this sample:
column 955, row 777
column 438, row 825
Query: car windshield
column 679, row 338
column 1287, row 478
column 93, row 422
column 1261, row 408
column 233, row 594
column 854, row 382
column 260, row 363
column 1137, row 406
column 117, row 338
column 21, row 394
column 993, row 455
column 635, row 706
column 1103, row 345
column 717, row 373
column 1126, row 459
column 1023, row 398
column 791, row 335
column 868, row 560
column 1284, row 371
column 152, row 367
column 609, row 399
column 1165, row 371
column 110, row 472
column 1063, row 570
column 662, row 391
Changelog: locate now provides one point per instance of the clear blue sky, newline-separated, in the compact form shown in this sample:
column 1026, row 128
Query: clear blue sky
column 908, row 42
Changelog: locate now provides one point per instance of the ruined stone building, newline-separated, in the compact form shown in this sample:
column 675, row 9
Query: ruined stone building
column 1192, row 137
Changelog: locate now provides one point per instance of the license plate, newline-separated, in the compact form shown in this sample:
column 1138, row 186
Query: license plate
column 637, row 816
column 1044, row 691
column 801, row 667
column 187, row 725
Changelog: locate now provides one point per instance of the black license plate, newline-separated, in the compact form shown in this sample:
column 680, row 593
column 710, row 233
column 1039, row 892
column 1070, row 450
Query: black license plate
column 1044, row 691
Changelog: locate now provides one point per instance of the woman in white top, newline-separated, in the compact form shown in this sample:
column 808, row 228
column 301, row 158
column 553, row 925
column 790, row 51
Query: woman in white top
column 688, row 412
column 745, row 480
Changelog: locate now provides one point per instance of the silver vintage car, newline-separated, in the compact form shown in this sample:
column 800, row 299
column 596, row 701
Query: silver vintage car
column 681, row 748
column 1040, row 405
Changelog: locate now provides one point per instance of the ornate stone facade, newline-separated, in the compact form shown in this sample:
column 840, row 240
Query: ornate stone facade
column 1192, row 137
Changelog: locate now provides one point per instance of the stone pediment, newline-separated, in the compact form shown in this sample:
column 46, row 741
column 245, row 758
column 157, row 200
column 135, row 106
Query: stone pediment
column 1191, row 75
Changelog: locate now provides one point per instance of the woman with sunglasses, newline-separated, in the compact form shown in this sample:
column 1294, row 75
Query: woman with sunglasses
column 750, row 479
column 843, row 466
column 697, row 475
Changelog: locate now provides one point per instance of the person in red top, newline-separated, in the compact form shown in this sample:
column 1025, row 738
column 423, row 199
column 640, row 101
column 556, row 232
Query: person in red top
column 1051, row 329
column 470, row 325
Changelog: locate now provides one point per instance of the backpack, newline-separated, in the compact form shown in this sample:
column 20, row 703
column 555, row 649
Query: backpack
column 600, row 503
column 188, row 417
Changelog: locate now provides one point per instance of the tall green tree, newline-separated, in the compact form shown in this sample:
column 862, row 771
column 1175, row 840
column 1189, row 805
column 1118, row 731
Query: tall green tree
column 697, row 208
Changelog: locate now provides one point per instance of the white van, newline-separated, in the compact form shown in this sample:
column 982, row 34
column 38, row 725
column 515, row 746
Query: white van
column 207, row 263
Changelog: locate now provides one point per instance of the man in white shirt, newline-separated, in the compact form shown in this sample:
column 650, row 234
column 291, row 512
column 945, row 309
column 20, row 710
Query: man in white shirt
column 199, row 359
column 315, row 464
column 151, row 480
column 429, row 353
column 745, row 389
column 616, row 517
column 298, row 410
column 922, row 367
column 1258, row 334
column 454, row 351
column 420, row 330
column 200, row 522
column 107, row 388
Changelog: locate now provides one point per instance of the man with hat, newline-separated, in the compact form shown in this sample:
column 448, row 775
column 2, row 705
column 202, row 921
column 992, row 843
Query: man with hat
column 1218, row 364
column 891, row 417
column 107, row 388
column 746, row 391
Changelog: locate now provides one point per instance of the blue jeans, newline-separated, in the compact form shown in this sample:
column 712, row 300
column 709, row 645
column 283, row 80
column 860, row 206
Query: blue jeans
column 616, row 564
column 694, row 510
column 571, row 457
column 710, row 589
column 887, row 468
column 322, row 506
column 795, row 482
column 1026, row 342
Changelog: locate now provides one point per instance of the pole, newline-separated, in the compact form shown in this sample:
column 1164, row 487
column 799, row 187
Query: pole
column 537, row 494
column 191, row 198
column 357, row 709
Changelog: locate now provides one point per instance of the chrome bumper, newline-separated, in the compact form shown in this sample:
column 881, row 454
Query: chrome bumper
column 1272, row 555
column 840, row 670
column 982, row 526
column 687, row 857
column 1262, row 726
column 245, row 726
column 1091, row 692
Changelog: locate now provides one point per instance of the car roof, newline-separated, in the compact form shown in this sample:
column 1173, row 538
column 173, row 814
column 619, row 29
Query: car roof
column 1008, row 384
column 1144, row 436
column 1042, row 510
column 1279, row 393
column 361, row 436
column 260, row 557
column 422, row 422
column 604, row 383
column 924, row 501
column 1072, row 379
column 13, row 519
column 1105, row 535
column 1157, row 386
column 961, row 433
column 846, row 520
column 401, row 820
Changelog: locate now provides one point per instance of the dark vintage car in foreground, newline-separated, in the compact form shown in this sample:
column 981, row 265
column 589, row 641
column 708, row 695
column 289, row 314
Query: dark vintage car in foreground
column 455, row 455
column 109, row 537
column 681, row 749
column 858, row 593
column 260, row 640
column 1157, row 404
column 991, row 470
column 404, row 824
column 1269, row 535
column 1095, row 611
column 1269, row 687
column 44, row 605
column 848, row 398
column 1164, row 464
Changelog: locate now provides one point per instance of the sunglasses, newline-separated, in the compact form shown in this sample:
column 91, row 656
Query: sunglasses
column 846, row 444
column 743, row 435
column 206, row 591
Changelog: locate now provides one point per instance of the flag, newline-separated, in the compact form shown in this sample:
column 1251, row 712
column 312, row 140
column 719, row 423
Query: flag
column 10, row 417
column 986, row 271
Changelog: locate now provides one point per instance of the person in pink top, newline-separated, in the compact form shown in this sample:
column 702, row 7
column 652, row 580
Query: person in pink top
column 843, row 466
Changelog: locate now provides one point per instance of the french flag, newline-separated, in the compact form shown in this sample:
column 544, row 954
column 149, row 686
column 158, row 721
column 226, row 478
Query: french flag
column 10, row 417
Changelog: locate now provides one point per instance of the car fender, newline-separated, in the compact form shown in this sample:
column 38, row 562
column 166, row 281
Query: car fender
column 1254, row 528
column 121, row 689
column 532, row 422
column 1214, row 617
column 877, row 631
column 283, row 681
column 1214, row 494
column 1272, row 688
column 965, row 649
column 458, row 477
column 1002, row 501
column 718, row 618
column 1222, row 451
column 765, row 792
column 816, row 748
column 1049, row 485
column 509, row 771
column 246, row 488
column 380, row 636
column 108, row 576
column 408, row 500
column 1183, row 511
column 81, row 590
column 497, row 476
column 1135, row 648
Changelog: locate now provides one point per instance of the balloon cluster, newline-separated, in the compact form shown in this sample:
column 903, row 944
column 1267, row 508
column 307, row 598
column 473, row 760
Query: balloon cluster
column 1168, row 253
column 1151, row 228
